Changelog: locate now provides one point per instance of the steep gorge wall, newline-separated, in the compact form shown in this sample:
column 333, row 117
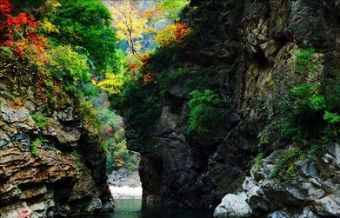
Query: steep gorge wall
column 243, row 50
column 48, row 168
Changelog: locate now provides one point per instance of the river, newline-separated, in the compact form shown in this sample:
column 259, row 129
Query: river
column 132, row 208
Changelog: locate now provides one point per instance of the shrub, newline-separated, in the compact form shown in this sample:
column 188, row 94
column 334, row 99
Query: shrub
column 40, row 120
column 69, row 67
column 113, row 83
column 308, row 103
column 18, row 31
column 89, row 116
column 317, row 150
column 203, row 111
column 306, row 96
column 331, row 118
column 285, row 163
column 258, row 161
column 304, row 63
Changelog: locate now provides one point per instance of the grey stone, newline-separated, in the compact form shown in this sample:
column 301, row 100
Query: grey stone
column 4, row 139
column 328, row 206
column 280, row 214
column 334, row 150
column 307, row 213
column 233, row 206
column 12, row 115
column 95, row 204
column 309, row 168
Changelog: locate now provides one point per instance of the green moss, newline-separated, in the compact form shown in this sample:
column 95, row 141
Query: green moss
column 204, row 111
column 35, row 146
column 77, row 159
column 40, row 120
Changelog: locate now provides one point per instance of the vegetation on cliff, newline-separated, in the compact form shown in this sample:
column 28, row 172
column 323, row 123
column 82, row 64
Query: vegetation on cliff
column 55, row 41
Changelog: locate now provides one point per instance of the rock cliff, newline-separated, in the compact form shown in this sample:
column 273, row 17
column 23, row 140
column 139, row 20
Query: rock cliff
column 244, row 52
column 50, row 164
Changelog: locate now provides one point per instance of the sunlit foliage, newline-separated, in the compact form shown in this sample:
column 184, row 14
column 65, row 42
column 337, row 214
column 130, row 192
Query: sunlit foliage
column 130, row 23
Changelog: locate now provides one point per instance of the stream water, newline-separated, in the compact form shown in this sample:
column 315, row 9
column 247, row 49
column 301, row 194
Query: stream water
column 132, row 208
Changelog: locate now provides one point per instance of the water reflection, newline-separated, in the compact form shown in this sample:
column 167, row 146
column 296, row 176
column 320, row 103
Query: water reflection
column 132, row 208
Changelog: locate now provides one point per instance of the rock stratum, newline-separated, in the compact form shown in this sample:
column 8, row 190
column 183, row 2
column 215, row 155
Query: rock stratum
column 244, row 51
column 52, row 166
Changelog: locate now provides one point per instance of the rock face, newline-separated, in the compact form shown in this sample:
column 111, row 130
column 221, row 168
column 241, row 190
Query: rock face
column 48, row 168
column 244, row 51
column 312, row 193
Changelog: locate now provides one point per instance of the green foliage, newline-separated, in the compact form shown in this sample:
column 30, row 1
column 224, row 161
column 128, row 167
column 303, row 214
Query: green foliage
column 331, row 118
column 317, row 150
column 258, row 161
column 40, row 120
column 285, row 163
column 77, row 159
column 134, row 93
column 203, row 111
column 35, row 146
column 310, row 114
column 86, row 23
column 304, row 63
column 89, row 116
column 172, row 8
column 68, row 67
column 306, row 96
column 288, row 130
column 113, row 141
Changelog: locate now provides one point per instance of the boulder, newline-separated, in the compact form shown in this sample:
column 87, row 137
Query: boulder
column 233, row 206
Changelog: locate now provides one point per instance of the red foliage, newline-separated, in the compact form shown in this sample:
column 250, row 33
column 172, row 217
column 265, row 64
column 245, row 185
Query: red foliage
column 5, row 6
column 182, row 31
column 19, row 32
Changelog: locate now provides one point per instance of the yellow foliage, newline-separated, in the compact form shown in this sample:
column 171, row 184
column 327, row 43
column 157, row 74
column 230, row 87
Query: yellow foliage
column 48, row 27
column 174, row 32
column 167, row 35
column 112, row 84
column 130, row 22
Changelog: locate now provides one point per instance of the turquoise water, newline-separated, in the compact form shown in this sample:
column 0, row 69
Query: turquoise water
column 132, row 208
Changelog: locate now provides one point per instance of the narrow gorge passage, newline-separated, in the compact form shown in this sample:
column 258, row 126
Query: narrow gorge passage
column 169, row 108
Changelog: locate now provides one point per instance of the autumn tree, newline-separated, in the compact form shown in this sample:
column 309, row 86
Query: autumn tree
column 130, row 23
